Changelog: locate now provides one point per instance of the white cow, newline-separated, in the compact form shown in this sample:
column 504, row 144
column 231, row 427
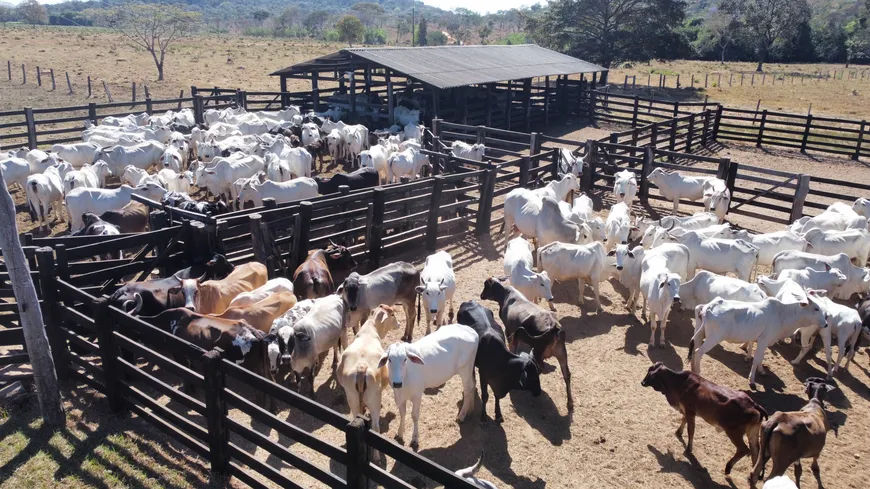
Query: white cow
column 414, row 131
column 717, row 197
column 277, row 170
column 172, row 159
column 356, row 139
column 617, row 227
column 625, row 187
column 628, row 271
column 406, row 163
column 437, row 286
column 310, row 133
column 853, row 242
column 15, row 170
column 430, row 362
column 274, row 286
column 582, row 214
column 98, row 201
column 176, row 182
column 835, row 218
column 296, row 189
column 559, row 189
column 696, row 221
column 376, row 157
column 706, row 286
column 828, row 280
column 718, row 255
column 46, row 189
column 133, row 176
column 844, row 323
column 858, row 278
column 862, row 207
column 674, row 186
column 585, row 263
column 662, row 269
column 530, row 215
column 518, row 266
column 768, row 244
column 570, row 163
column 77, row 154
column 764, row 322
column 90, row 176
column 226, row 171
column 143, row 156
column 468, row 151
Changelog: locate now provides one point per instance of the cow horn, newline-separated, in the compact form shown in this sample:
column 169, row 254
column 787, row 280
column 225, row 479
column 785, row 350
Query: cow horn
column 673, row 223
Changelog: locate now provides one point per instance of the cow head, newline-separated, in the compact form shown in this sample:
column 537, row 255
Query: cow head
column 817, row 388
column 530, row 378
column 493, row 289
column 384, row 319
column 89, row 218
column 349, row 290
column 339, row 257
column 656, row 377
column 625, row 185
column 245, row 340
column 814, row 305
column 623, row 253
column 189, row 289
column 656, row 175
column 396, row 358
column 218, row 268
column 433, row 295
column 669, row 287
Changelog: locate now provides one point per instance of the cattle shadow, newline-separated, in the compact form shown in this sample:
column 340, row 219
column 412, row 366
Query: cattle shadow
column 690, row 469
column 587, row 326
column 568, row 292
column 542, row 414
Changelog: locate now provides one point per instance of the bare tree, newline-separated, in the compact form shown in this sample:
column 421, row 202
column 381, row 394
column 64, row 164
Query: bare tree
column 44, row 375
column 151, row 27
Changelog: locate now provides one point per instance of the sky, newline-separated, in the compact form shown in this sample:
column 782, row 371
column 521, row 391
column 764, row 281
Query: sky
column 482, row 6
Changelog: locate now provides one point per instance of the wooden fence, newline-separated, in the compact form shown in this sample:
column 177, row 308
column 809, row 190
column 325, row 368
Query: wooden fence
column 636, row 110
column 739, row 78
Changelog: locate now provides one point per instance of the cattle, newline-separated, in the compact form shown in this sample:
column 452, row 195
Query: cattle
column 764, row 322
column 376, row 158
column 673, row 186
column 152, row 297
column 529, row 324
column 499, row 369
column 45, row 190
column 408, row 163
column 184, row 202
column 717, row 197
column 89, row 176
column 628, row 271
column 303, row 188
column 844, row 322
column 133, row 177
column 559, row 189
column 625, row 187
column 280, row 339
column 274, row 286
column 769, row 244
column 858, row 278
column 617, row 227
column 324, row 328
column 176, row 182
column 437, row 286
column 356, row 139
column 317, row 149
column 662, row 269
column 391, row 284
column 780, row 482
column 310, row 133
column 468, row 474
column 313, row 278
column 474, row 152
column 538, row 218
column 838, row 217
column 569, row 162
column 277, row 170
column 77, row 154
column 262, row 314
column 97, row 200
column 430, row 362
column 359, row 179
column 358, row 372
column 787, row 437
column 696, row 221
column 213, row 296
column 519, row 269
column 718, row 255
column 862, row 207
column 808, row 278
column 853, row 242
column 413, row 131
column 584, row 218
column 15, row 170
column 706, row 286
column 585, row 263
column 142, row 156
column 731, row 411
column 94, row 226
column 171, row 159
column 221, row 175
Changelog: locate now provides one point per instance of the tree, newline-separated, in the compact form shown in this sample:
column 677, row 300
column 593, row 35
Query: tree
column 31, row 12
column 422, row 33
column 350, row 29
column 151, row 27
column 260, row 15
column 436, row 38
column 402, row 28
column 369, row 13
column 857, row 39
column 719, row 31
column 606, row 31
column 485, row 32
column 6, row 14
column 770, row 22
column 315, row 21
column 288, row 19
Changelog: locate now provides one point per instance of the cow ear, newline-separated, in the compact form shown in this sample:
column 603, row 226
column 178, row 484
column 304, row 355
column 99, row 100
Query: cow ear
column 612, row 252
column 631, row 254
column 827, row 267
column 523, row 378
column 662, row 285
column 383, row 360
column 414, row 358
column 419, row 289
column 175, row 290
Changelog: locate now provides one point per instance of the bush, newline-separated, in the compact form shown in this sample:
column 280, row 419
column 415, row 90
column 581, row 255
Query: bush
column 514, row 39
column 436, row 38
column 375, row 36
column 330, row 35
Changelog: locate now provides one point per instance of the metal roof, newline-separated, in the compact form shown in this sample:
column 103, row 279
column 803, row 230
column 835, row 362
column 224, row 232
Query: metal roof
column 453, row 66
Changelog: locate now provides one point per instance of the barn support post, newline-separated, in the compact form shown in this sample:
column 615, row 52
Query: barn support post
column 436, row 101
column 489, row 101
column 303, row 231
column 31, row 127
column 285, row 99
column 357, row 452
column 109, row 355
column 547, row 100
column 645, row 169
column 315, row 92
column 527, row 103
column 376, row 225
column 525, row 165
column 800, row 197
column 507, row 106
column 352, row 90
column 484, row 208
column 594, row 80
column 390, row 107
column 214, row 381
column 436, row 130
column 534, row 143
column 367, row 79
column 806, row 136
column 50, row 312
column 434, row 213
column 861, row 133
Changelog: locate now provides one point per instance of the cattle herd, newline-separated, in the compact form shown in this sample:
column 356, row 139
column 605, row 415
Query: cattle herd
column 285, row 328
column 238, row 157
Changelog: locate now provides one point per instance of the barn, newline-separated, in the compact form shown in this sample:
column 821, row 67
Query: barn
column 498, row 86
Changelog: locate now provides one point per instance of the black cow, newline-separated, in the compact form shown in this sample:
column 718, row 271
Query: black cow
column 181, row 200
column 359, row 179
column 499, row 368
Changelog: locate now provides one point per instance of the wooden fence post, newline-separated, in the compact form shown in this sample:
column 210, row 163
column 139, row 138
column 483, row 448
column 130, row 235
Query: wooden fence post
column 134, row 92
column 534, row 143
column 31, row 127
column 436, row 130
column 806, row 136
column 645, row 169
column 525, row 165
column 9, row 69
column 691, row 134
column 434, row 213
column 676, row 109
column 654, row 135
column 634, row 112
column 214, row 381
column 108, row 93
column 198, row 109
column 376, row 226
column 259, row 241
column 861, row 133
column 593, row 100
column 672, row 145
column 53, row 318
column 588, row 177
column 89, row 87
column 306, row 209
column 149, row 107
column 800, row 196
column 761, row 128
column 706, row 128
column 68, row 84
column 23, row 74
column 92, row 112
column 481, row 135
column 731, row 179
column 357, row 452
column 722, row 171
column 716, row 123
column 53, row 86
column 108, row 355
column 38, row 76
column 484, row 207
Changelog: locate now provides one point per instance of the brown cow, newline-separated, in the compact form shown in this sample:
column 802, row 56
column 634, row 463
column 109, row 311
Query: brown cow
column 313, row 278
column 132, row 218
column 729, row 410
column 788, row 437
column 262, row 314
column 214, row 296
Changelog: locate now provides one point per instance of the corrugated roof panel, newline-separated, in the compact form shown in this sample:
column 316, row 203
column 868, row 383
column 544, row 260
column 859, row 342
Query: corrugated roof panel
column 453, row 66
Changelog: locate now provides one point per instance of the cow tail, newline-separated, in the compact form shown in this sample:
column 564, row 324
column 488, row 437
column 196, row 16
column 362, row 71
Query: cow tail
column 361, row 384
column 766, row 433
column 700, row 332
column 418, row 308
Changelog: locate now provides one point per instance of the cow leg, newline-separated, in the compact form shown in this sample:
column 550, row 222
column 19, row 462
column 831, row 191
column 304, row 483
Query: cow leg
column 679, row 432
column 402, row 404
column 560, row 352
column 415, row 418
column 676, row 205
column 816, row 471
column 753, row 434
column 595, row 284
column 652, row 328
column 736, row 437
column 663, row 325
column 467, row 392
column 690, row 423
column 409, row 322
column 581, row 287
column 450, row 316
column 748, row 348
column 797, row 472
column 484, row 398
column 439, row 317
column 760, row 348
column 428, row 317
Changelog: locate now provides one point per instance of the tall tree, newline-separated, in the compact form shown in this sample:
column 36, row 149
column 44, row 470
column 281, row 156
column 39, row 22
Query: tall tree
column 315, row 21
column 369, row 13
column 485, row 31
column 422, row 33
column 288, row 18
column 770, row 23
column 151, row 27
column 32, row 12
column 350, row 29
column 719, row 30
column 606, row 31
column 403, row 27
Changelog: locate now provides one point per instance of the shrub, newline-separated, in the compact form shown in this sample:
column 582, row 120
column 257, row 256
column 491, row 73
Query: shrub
column 375, row 36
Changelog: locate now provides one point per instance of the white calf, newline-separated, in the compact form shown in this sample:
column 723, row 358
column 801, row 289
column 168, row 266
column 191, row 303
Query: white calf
column 858, row 278
column 717, row 197
column 430, row 362
column 628, row 267
column 46, row 189
column 853, row 242
column 376, row 157
column 617, row 227
column 566, row 261
column 706, row 286
column 769, row 244
column 674, row 186
column 142, row 156
column 98, row 201
column 296, row 189
column 172, row 159
column 718, row 255
column 845, row 324
column 559, row 189
column 468, row 151
column 828, row 280
column 406, row 163
column 90, row 176
column 437, row 286
column 176, row 182
column 519, row 269
column 661, row 290
column 625, row 187
column 15, row 170
column 77, row 154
